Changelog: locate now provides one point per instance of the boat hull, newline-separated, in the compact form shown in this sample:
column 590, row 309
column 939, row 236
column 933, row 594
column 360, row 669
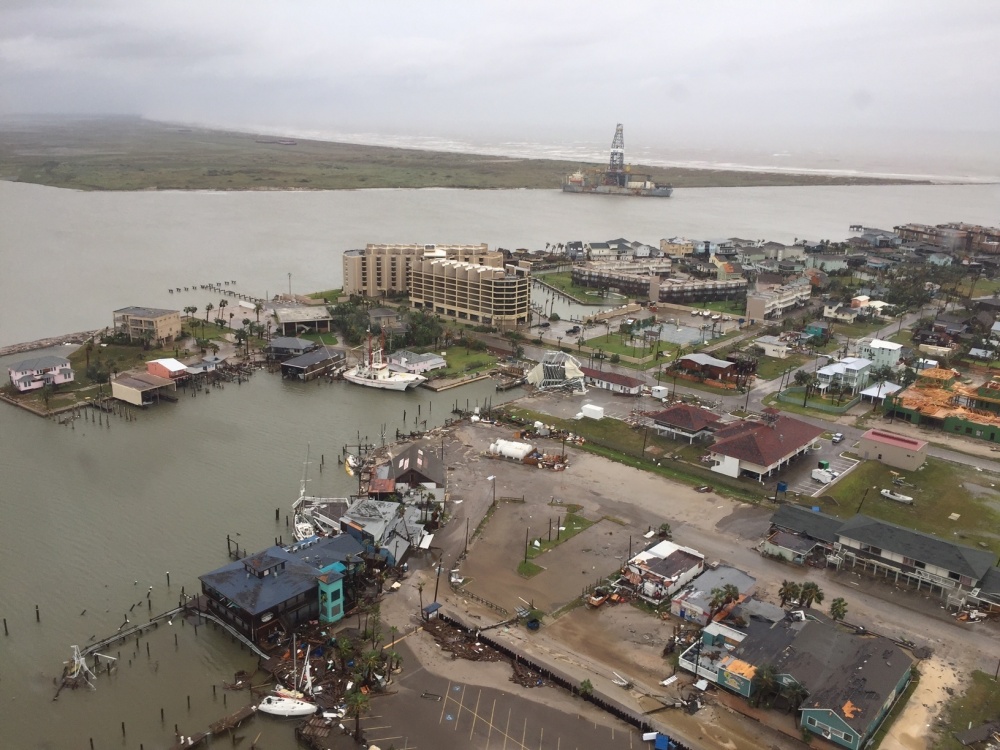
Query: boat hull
column 392, row 382
column 281, row 706
column 657, row 192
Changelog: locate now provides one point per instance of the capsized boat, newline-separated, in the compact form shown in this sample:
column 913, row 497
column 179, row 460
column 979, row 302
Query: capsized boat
column 375, row 373
column 279, row 705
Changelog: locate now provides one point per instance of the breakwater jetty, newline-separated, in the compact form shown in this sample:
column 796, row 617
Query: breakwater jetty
column 30, row 346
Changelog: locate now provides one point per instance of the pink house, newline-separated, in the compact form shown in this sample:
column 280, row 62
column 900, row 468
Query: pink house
column 32, row 374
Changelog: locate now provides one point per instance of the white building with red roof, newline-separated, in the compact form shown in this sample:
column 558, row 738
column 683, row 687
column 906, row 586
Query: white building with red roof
column 760, row 448
column 612, row 381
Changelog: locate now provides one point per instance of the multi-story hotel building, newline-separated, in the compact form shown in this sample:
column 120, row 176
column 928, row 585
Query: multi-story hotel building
column 488, row 295
column 384, row 270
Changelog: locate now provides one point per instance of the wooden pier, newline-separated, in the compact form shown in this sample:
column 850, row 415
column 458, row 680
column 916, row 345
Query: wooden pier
column 225, row 724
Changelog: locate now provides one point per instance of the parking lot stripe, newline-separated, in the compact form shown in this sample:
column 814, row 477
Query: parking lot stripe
column 444, row 703
column 489, row 733
column 460, row 702
column 541, row 738
column 524, row 732
column 475, row 714
column 506, row 731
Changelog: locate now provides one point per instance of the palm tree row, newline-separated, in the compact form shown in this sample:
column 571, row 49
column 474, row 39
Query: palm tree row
column 804, row 593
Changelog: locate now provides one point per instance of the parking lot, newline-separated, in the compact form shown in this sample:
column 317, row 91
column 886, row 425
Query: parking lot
column 433, row 712
column 799, row 476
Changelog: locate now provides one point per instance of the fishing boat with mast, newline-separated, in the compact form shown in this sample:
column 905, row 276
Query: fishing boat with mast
column 374, row 372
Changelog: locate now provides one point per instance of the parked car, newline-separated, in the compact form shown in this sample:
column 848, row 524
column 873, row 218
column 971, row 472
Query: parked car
column 837, row 437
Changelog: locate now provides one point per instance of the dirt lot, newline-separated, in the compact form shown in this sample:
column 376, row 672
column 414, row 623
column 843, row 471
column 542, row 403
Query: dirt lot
column 595, row 644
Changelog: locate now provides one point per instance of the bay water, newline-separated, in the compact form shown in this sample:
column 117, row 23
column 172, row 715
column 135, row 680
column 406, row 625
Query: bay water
column 92, row 516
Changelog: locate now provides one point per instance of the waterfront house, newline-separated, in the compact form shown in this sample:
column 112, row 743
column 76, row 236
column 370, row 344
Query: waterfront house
column 279, row 588
column 313, row 364
column 819, row 329
column 841, row 313
column 168, row 367
column 388, row 320
column 148, row 324
column 407, row 361
column 418, row 465
column 283, row 347
column 306, row 318
column 35, row 373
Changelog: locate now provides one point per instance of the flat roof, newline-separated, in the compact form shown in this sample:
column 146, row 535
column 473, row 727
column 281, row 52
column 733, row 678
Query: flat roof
column 891, row 438
column 302, row 314
column 143, row 381
column 322, row 354
column 170, row 363
column 146, row 312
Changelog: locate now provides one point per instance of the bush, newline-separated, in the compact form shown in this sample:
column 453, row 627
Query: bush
column 615, row 359
column 554, row 317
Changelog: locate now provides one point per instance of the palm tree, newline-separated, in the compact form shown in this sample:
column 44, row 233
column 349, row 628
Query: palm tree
column 357, row 704
column 811, row 592
column 345, row 650
column 586, row 688
column 765, row 682
column 370, row 661
column 257, row 308
column 223, row 304
column 208, row 308
column 190, row 310
column 838, row 608
column 795, row 694
column 721, row 598
column 789, row 591
column 420, row 590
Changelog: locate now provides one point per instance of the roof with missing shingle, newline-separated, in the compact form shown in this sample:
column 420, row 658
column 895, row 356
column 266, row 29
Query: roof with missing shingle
column 807, row 522
column 955, row 558
column 764, row 444
column 686, row 417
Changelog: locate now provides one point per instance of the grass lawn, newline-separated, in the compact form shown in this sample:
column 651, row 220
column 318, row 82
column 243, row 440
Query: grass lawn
column 462, row 362
column 859, row 329
column 614, row 439
column 563, row 281
column 770, row 368
column 976, row 705
column 939, row 493
column 572, row 524
column 330, row 295
column 527, row 569
column 613, row 344
column 324, row 339
column 734, row 307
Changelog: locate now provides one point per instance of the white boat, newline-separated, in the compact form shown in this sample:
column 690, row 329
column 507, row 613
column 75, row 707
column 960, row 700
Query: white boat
column 279, row 705
column 302, row 528
column 905, row 499
column 375, row 373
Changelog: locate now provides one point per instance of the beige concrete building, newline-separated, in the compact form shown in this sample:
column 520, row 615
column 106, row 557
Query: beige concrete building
column 761, row 305
column 479, row 294
column 677, row 246
column 892, row 449
column 160, row 326
column 384, row 270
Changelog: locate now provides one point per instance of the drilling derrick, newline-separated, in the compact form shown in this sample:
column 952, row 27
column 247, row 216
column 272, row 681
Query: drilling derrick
column 616, row 167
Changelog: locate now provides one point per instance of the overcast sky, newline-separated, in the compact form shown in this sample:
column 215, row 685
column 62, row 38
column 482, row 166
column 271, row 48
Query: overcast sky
column 681, row 71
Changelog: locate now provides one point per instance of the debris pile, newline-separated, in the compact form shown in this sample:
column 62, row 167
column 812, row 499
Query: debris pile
column 460, row 645
column 527, row 677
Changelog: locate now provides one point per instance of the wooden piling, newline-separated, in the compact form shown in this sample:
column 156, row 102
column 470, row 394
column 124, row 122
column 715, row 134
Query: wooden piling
column 38, row 617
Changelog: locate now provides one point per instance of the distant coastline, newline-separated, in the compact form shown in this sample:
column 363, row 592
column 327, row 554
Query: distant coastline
column 134, row 154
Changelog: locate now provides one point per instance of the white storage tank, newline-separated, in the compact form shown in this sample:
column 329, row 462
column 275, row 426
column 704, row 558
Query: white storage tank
column 511, row 449
column 659, row 391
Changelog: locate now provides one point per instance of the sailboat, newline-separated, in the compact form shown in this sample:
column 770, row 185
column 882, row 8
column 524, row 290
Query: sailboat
column 350, row 464
column 375, row 373
column 302, row 527
column 283, row 702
